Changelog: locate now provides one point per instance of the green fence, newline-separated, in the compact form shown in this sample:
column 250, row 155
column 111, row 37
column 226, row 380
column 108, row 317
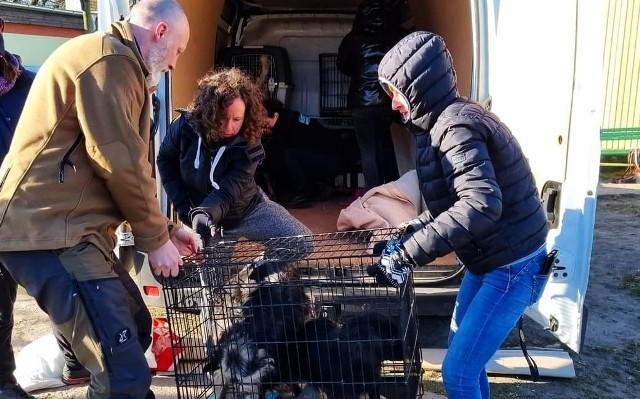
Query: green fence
column 620, row 128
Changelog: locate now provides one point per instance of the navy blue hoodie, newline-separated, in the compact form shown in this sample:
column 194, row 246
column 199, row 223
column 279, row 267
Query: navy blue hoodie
column 11, row 107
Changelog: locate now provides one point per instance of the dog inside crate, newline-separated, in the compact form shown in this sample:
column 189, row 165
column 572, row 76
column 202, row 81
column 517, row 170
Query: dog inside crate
column 305, row 327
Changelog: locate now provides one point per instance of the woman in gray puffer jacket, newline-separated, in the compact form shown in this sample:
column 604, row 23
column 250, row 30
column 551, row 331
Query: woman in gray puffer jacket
column 482, row 203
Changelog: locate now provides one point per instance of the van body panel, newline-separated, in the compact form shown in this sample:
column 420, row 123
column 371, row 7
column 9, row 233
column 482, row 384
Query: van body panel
column 545, row 84
column 452, row 20
column 199, row 56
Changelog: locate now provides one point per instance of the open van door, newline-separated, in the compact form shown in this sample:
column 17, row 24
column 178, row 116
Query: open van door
column 544, row 62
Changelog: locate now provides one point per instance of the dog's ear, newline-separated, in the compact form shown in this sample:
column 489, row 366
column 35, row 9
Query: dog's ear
column 212, row 364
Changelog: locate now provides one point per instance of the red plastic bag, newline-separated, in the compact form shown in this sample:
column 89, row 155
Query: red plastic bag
column 161, row 345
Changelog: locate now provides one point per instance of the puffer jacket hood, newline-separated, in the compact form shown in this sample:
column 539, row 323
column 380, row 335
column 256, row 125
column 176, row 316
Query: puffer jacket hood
column 420, row 67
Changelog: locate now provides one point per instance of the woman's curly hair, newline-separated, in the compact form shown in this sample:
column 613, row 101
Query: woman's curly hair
column 216, row 91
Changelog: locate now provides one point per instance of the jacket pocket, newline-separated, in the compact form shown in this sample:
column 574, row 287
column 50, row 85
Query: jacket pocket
column 86, row 262
column 66, row 161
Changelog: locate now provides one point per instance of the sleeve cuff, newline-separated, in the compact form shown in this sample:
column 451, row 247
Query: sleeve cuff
column 415, row 252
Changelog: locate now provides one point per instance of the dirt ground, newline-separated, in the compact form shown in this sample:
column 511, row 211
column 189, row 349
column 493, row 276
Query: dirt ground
column 607, row 367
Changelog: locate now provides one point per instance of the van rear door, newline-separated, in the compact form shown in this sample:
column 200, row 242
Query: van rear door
column 544, row 62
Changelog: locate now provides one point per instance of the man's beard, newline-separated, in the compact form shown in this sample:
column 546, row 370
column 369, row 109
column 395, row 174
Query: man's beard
column 156, row 58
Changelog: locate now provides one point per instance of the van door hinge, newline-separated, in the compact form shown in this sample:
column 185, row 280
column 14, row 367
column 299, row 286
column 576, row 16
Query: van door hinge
column 551, row 202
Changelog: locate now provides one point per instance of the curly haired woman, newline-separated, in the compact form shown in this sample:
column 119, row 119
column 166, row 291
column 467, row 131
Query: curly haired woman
column 208, row 160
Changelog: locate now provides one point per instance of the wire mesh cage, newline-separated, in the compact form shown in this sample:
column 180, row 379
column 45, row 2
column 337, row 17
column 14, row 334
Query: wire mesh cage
column 334, row 87
column 268, row 65
column 294, row 316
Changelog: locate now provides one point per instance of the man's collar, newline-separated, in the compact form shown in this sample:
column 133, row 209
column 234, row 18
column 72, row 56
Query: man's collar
column 122, row 30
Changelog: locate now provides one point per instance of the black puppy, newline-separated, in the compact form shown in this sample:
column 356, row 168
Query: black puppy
column 365, row 342
column 257, row 349
column 320, row 354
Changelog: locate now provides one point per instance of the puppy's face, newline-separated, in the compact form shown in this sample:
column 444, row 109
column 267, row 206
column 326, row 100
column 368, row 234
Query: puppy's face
column 243, row 367
column 238, row 354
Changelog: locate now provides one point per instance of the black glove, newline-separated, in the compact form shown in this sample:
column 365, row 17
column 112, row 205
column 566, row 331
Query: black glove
column 202, row 224
column 394, row 265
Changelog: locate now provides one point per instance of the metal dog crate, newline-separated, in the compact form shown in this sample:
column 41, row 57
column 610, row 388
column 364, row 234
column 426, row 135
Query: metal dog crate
column 334, row 88
column 294, row 316
column 269, row 65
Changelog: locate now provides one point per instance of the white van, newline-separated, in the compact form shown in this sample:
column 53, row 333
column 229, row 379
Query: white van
column 536, row 63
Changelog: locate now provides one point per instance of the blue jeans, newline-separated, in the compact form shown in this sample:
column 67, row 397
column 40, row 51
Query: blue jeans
column 487, row 308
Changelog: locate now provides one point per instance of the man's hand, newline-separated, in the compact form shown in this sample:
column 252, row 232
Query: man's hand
column 165, row 260
column 394, row 265
column 185, row 241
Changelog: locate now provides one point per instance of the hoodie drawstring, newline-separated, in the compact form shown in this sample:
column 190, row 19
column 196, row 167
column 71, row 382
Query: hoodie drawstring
column 196, row 161
column 213, row 166
column 214, row 163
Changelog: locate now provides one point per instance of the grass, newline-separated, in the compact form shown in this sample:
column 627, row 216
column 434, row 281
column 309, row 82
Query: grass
column 608, row 173
column 157, row 311
column 432, row 382
column 631, row 282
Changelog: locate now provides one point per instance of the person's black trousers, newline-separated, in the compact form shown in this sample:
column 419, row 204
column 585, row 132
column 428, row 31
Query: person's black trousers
column 82, row 291
column 372, row 128
column 8, row 290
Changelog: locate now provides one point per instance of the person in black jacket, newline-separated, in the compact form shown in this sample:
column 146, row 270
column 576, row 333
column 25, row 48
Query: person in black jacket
column 375, row 30
column 208, row 160
column 303, row 153
column 481, row 203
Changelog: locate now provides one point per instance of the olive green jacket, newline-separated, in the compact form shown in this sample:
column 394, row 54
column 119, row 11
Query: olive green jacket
column 79, row 164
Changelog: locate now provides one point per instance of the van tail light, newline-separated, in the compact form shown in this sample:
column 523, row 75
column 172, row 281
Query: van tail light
column 151, row 290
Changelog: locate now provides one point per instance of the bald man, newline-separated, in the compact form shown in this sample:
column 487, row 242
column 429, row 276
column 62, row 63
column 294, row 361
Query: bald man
column 78, row 166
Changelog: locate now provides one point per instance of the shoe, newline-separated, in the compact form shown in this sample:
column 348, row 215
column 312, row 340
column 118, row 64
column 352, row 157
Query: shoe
column 76, row 376
column 150, row 395
column 14, row 391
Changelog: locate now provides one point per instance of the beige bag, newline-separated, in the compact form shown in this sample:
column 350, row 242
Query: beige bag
column 384, row 206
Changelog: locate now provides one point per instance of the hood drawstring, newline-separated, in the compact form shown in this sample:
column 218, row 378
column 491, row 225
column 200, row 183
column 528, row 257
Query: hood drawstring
column 213, row 166
column 196, row 161
column 214, row 163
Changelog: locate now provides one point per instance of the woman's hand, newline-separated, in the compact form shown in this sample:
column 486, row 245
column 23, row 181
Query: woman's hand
column 185, row 241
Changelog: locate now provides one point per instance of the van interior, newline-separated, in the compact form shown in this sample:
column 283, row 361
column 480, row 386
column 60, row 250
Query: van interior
column 290, row 47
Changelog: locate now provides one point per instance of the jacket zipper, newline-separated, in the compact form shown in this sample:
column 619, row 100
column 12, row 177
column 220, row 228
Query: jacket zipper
column 66, row 161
